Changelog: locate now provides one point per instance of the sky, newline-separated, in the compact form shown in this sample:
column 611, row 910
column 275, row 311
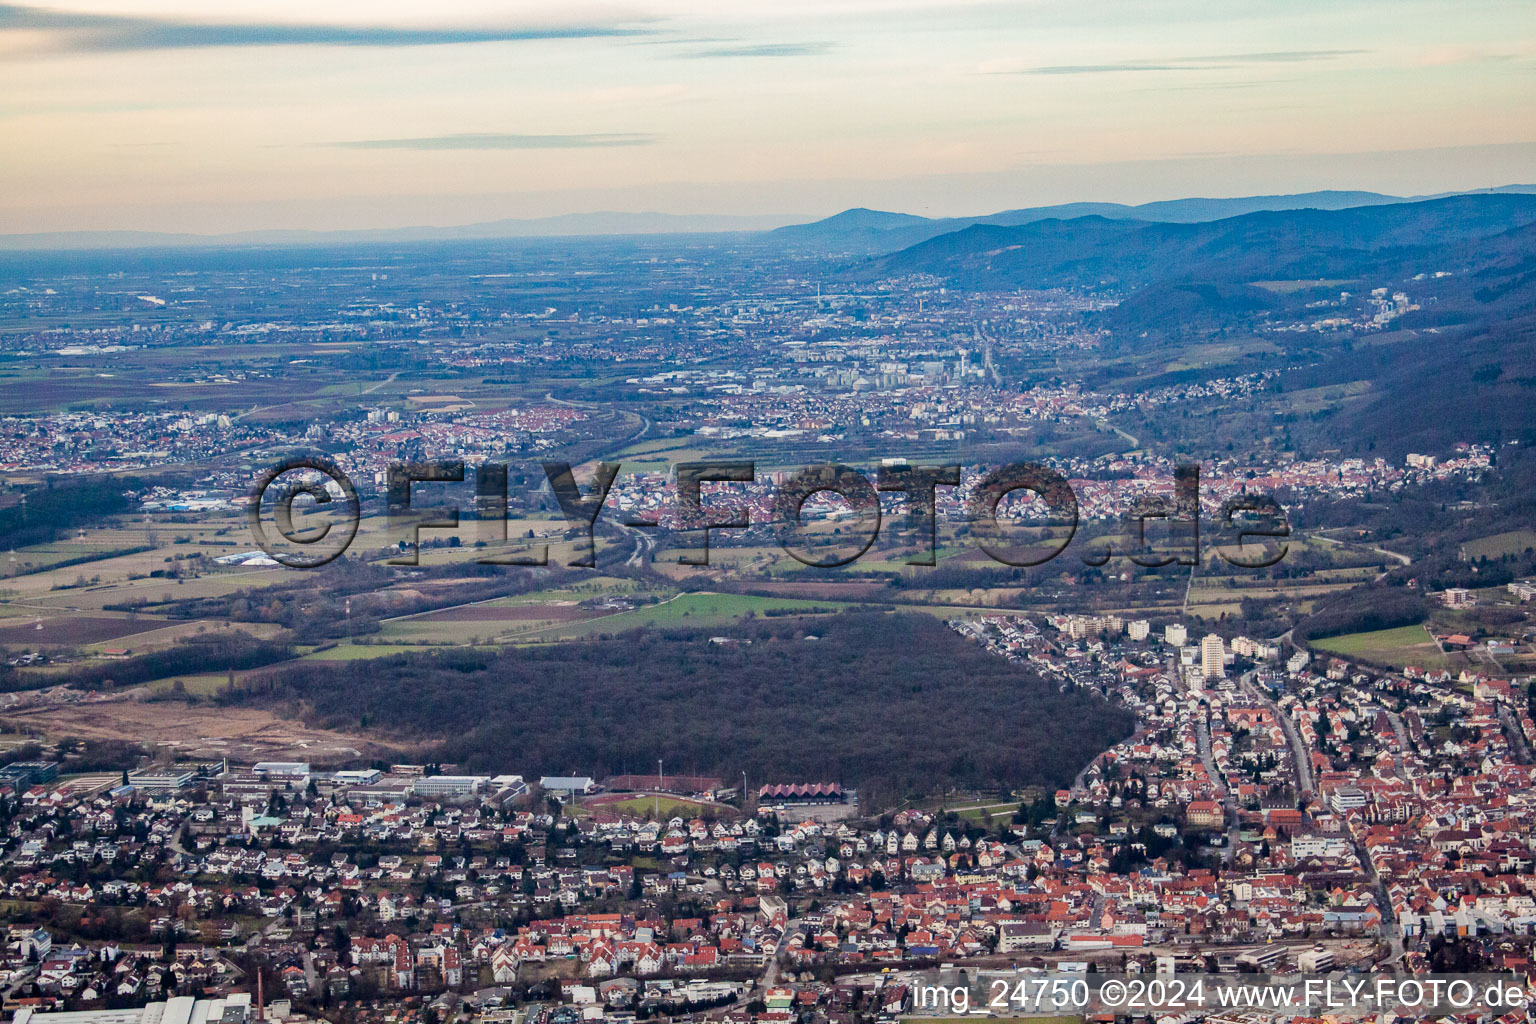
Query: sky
column 253, row 114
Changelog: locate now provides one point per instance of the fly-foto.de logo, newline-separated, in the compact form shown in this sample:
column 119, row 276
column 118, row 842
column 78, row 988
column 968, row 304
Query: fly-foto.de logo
column 1052, row 505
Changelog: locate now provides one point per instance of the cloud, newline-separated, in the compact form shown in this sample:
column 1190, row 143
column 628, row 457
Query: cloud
column 1219, row 62
column 1207, row 86
column 1446, row 56
column 499, row 140
column 764, row 50
column 81, row 31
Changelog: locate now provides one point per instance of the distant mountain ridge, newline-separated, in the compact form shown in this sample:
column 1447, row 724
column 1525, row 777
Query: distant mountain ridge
column 1265, row 245
column 859, row 230
column 563, row 225
column 875, row 231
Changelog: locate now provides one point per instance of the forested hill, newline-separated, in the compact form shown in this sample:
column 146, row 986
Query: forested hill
column 900, row 703
column 875, row 231
column 1446, row 234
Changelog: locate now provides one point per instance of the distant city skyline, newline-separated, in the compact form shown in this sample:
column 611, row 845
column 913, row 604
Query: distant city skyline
column 166, row 116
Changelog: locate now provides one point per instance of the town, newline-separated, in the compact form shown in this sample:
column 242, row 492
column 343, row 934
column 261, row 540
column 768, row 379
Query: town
column 1264, row 816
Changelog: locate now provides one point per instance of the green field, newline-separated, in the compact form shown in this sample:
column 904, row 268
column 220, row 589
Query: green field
column 998, row 812
column 420, row 629
column 1500, row 544
column 597, row 586
column 687, row 610
column 357, row 652
column 661, row 808
column 1405, row 645
column 204, row 685
column 40, row 557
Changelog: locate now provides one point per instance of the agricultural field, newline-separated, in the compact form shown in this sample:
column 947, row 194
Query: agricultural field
column 347, row 651
column 1498, row 545
column 94, row 634
column 507, row 618
column 593, row 587
column 206, row 684
column 1405, row 645
column 688, row 610
column 128, row 556
column 482, row 623
column 74, row 630
column 41, row 557
column 193, row 731
column 1310, row 400
column 657, row 455
column 724, row 562
column 828, row 590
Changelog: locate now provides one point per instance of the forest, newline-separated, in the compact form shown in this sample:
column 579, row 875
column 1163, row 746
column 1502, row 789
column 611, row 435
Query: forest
column 39, row 514
column 898, row 703
column 1363, row 609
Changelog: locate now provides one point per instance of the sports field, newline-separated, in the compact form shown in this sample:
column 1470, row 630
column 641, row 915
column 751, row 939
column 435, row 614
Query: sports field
column 660, row 808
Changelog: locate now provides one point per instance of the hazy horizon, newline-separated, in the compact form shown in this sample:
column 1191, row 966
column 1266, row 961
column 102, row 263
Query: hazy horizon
column 161, row 115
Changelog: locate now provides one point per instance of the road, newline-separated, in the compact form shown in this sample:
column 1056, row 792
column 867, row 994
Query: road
column 1135, row 442
column 311, row 976
column 1203, row 744
column 1078, row 789
column 1223, row 792
column 1390, row 931
column 1299, row 755
column 645, row 422
column 1218, row 782
column 1511, row 725
column 771, row 975
column 387, row 380
column 645, row 546
column 1383, row 552
column 262, row 408
column 22, row 977
column 1399, row 558
column 987, row 343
